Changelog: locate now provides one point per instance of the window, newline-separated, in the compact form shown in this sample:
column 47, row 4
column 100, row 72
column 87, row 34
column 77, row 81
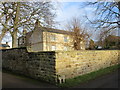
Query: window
column 65, row 39
column 53, row 48
column 81, row 42
column 21, row 41
column 81, row 47
column 66, row 48
column 53, row 38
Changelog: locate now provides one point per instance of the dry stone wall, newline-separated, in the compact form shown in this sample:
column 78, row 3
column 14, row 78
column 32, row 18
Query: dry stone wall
column 74, row 63
column 52, row 65
column 39, row 65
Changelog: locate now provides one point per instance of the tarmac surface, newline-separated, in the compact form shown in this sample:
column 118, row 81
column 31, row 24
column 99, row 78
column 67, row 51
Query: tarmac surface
column 12, row 81
column 111, row 80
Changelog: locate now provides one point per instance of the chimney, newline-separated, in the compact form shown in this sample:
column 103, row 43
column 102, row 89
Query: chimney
column 24, row 32
column 6, row 43
column 37, row 24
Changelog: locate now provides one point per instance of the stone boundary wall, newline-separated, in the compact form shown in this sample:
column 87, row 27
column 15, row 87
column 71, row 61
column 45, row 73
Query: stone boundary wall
column 52, row 65
column 40, row 65
column 74, row 63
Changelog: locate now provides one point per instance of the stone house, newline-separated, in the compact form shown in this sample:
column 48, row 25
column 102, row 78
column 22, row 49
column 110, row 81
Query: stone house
column 4, row 46
column 47, row 39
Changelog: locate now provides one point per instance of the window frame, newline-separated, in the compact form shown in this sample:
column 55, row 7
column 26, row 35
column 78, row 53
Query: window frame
column 65, row 39
column 52, row 37
column 52, row 47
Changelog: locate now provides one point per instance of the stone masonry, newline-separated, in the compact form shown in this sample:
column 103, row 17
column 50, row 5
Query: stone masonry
column 75, row 63
column 51, row 65
column 39, row 65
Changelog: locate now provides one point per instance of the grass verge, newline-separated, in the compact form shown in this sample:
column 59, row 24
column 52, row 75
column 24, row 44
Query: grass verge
column 90, row 76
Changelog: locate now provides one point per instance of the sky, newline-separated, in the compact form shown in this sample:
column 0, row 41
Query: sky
column 68, row 10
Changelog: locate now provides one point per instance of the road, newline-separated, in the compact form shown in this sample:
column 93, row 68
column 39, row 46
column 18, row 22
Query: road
column 12, row 81
column 111, row 80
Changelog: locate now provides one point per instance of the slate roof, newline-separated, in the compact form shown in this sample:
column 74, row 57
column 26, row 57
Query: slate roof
column 55, row 30
column 39, row 27
column 45, row 29
column 4, row 45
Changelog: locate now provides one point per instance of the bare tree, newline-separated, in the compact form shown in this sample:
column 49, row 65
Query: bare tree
column 102, row 35
column 19, row 14
column 102, row 38
column 91, row 44
column 4, row 20
column 78, row 34
column 107, row 15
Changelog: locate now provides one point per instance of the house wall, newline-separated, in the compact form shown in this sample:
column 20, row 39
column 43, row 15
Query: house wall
column 4, row 47
column 59, row 42
column 21, row 41
column 36, row 41
column 48, row 65
column 41, row 41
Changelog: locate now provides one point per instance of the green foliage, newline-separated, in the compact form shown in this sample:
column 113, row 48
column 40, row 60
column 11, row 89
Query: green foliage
column 84, row 78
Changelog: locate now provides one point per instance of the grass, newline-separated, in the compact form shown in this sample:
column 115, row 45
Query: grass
column 90, row 76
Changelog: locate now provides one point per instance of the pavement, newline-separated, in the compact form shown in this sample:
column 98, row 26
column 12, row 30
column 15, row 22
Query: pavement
column 12, row 81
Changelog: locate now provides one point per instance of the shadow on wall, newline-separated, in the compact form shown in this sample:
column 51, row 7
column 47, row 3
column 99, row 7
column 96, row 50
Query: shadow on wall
column 38, row 65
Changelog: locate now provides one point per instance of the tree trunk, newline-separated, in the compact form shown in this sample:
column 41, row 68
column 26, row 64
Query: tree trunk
column 14, row 40
column 119, row 6
column 15, row 29
column 2, row 35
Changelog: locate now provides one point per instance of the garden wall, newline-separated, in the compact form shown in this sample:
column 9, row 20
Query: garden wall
column 75, row 63
column 48, row 65
column 40, row 65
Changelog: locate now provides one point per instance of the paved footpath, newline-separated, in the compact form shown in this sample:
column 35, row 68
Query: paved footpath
column 12, row 81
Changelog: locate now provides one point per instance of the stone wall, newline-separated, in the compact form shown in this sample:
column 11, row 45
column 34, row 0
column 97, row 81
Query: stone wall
column 49, row 65
column 75, row 63
column 39, row 65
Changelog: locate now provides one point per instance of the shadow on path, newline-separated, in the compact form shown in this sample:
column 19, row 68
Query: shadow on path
column 13, row 81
